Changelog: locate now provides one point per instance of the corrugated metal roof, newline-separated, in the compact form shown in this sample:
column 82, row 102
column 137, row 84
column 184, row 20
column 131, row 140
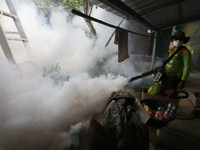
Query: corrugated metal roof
column 154, row 14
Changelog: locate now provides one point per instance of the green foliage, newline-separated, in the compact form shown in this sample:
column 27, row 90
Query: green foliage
column 66, row 4
column 45, row 6
column 101, row 66
column 54, row 73
column 193, row 31
column 71, row 4
column 194, row 34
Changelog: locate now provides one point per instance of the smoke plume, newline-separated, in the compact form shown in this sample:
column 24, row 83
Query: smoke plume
column 34, row 112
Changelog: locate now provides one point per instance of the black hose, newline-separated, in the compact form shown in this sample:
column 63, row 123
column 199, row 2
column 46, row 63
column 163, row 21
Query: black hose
column 175, row 93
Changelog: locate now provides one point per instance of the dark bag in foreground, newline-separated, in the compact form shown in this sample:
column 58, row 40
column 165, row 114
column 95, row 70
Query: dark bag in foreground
column 122, row 121
column 120, row 127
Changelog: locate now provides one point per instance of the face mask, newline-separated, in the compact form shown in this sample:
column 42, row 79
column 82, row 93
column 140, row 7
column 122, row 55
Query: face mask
column 177, row 43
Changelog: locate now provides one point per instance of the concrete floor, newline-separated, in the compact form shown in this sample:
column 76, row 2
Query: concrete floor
column 193, row 81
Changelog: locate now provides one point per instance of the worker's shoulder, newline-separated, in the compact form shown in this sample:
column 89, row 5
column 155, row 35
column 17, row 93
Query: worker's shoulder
column 184, row 50
column 172, row 48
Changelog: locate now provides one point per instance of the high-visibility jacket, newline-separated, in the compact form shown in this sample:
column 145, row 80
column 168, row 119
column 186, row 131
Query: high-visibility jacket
column 180, row 64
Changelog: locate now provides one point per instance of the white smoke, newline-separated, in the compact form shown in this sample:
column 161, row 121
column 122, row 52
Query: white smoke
column 34, row 112
column 65, row 140
column 65, row 42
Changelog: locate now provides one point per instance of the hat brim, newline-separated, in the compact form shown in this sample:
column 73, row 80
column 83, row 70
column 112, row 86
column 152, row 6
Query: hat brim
column 185, row 39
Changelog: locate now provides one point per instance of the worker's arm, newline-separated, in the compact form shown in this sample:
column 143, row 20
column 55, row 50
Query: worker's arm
column 186, row 69
column 186, row 65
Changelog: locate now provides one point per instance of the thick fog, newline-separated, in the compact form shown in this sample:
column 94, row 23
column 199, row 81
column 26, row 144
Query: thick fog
column 35, row 111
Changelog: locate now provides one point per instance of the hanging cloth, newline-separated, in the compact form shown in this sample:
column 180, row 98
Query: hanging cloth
column 121, row 39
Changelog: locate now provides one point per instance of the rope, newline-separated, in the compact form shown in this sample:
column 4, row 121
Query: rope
column 182, row 135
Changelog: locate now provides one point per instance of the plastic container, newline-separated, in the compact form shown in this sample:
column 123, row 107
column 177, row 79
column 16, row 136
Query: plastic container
column 154, row 104
column 159, row 113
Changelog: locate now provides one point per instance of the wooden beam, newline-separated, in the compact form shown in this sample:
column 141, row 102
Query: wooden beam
column 113, row 33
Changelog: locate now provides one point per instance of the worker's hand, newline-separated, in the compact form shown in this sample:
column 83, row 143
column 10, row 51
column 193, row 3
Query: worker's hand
column 181, row 85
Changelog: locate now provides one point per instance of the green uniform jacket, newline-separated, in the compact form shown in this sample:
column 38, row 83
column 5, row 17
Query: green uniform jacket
column 180, row 64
